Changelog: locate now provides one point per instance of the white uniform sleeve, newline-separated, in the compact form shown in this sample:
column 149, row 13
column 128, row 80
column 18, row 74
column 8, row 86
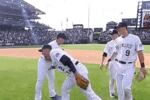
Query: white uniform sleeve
column 56, row 55
column 116, row 49
column 54, row 44
column 54, row 62
column 139, row 45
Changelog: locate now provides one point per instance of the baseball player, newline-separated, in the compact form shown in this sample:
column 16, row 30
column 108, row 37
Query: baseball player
column 45, row 69
column 74, row 70
column 108, row 51
column 128, row 47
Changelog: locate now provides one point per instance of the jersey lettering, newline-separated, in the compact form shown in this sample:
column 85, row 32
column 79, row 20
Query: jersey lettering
column 127, row 45
column 61, row 68
column 57, row 54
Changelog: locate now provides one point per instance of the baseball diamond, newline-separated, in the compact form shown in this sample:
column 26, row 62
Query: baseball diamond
column 23, row 74
column 74, row 50
column 85, row 56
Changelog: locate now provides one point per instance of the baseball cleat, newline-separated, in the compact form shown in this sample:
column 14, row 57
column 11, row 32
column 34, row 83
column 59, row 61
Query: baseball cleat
column 56, row 97
column 112, row 95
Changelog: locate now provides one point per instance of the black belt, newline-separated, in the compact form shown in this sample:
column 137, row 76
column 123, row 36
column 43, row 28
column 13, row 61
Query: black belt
column 122, row 62
column 76, row 63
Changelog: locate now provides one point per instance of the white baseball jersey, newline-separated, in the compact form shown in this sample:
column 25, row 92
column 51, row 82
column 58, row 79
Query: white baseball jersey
column 127, row 48
column 110, row 48
column 43, row 70
column 70, row 81
column 54, row 44
column 56, row 55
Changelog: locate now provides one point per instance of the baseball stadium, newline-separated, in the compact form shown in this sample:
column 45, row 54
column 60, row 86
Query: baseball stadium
column 21, row 36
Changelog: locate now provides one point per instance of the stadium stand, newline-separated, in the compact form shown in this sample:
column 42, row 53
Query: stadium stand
column 18, row 27
column 79, row 35
column 144, row 35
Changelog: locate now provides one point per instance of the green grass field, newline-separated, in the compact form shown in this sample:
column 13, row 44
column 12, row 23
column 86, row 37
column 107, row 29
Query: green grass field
column 95, row 47
column 18, row 78
column 84, row 46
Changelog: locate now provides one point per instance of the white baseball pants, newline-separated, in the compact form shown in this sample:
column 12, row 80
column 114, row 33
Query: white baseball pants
column 125, row 75
column 43, row 71
column 112, row 76
column 70, row 82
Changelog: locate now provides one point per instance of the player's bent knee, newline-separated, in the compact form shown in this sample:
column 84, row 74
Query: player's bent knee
column 65, row 91
column 128, row 93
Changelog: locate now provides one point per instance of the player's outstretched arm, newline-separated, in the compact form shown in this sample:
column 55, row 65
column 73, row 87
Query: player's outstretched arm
column 141, row 59
column 103, row 59
column 112, row 58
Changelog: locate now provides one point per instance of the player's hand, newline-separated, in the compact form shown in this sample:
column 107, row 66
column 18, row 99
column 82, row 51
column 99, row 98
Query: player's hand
column 141, row 74
column 52, row 67
column 107, row 65
column 101, row 66
column 144, row 71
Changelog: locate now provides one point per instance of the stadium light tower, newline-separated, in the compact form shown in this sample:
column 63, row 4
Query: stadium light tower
column 27, row 22
column 121, row 15
column 66, row 22
column 88, row 12
column 88, row 17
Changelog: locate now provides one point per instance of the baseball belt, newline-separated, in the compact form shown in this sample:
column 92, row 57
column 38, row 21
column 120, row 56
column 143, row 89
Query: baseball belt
column 122, row 62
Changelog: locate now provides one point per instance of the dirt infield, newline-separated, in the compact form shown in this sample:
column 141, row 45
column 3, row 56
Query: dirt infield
column 85, row 56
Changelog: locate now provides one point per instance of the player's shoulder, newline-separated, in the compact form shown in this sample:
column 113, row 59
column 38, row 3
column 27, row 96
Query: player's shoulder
column 56, row 50
column 110, row 42
column 56, row 54
column 134, row 36
column 52, row 43
column 118, row 39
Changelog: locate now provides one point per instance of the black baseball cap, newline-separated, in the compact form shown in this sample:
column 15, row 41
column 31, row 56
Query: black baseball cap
column 61, row 35
column 46, row 46
column 121, row 24
column 114, row 32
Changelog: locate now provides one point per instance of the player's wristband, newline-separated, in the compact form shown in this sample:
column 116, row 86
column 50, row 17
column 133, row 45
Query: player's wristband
column 142, row 65
column 109, row 60
column 104, row 54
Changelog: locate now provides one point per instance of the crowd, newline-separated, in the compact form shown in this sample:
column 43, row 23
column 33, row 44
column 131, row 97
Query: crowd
column 26, row 37
column 144, row 35
column 104, row 36
column 42, row 36
column 15, row 38
column 76, row 36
